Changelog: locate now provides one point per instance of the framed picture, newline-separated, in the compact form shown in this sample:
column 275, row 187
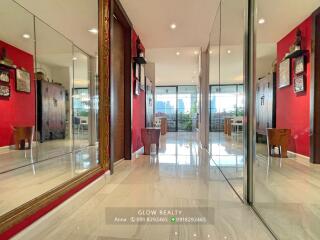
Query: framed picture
column 299, row 84
column 4, row 75
column 4, row 91
column 142, row 77
column 299, row 65
column 23, row 83
column 284, row 73
column 137, row 88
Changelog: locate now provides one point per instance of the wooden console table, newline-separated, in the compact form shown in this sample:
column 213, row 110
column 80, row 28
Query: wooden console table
column 278, row 138
column 150, row 136
column 23, row 134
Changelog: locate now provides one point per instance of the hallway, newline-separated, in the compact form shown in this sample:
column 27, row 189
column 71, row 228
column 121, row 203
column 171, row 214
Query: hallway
column 183, row 176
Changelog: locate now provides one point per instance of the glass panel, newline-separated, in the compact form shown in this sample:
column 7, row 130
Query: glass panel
column 17, row 95
column 187, row 108
column 286, row 183
column 81, row 99
column 226, row 92
column 166, row 104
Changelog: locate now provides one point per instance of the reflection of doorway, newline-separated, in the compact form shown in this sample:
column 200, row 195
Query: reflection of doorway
column 117, row 92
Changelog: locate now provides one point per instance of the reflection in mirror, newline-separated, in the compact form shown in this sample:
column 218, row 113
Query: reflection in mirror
column 17, row 87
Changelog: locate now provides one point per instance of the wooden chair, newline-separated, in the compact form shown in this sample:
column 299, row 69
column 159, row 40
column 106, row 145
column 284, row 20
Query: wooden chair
column 278, row 138
column 150, row 136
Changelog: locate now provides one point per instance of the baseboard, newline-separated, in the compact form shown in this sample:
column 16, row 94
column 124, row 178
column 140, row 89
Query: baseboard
column 140, row 151
column 5, row 149
column 298, row 154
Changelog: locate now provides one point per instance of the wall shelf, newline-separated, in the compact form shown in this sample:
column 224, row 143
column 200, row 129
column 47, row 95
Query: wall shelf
column 139, row 60
column 296, row 54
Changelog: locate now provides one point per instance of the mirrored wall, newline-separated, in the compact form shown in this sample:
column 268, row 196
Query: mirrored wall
column 49, row 104
column 226, row 99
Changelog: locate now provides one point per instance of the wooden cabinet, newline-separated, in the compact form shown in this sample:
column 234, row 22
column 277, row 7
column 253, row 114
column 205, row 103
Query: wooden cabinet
column 266, row 103
column 51, row 110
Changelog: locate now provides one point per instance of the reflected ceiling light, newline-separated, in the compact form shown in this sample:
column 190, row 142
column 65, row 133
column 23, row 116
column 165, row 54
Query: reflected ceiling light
column 26, row 36
column 228, row 51
column 173, row 26
column 210, row 51
column 177, row 53
column 93, row 31
column 261, row 21
column 74, row 58
column 196, row 52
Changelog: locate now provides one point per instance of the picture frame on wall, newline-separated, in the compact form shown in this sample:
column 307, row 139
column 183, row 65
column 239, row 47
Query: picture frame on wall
column 142, row 77
column 4, row 75
column 299, row 83
column 23, row 82
column 299, row 65
column 284, row 73
column 4, row 91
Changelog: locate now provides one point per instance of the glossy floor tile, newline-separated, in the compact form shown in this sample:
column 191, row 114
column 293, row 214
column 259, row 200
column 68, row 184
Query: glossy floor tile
column 23, row 184
column 182, row 176
column 286, row 191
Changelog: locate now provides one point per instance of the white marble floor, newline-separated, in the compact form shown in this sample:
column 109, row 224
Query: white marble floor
column 182, row 176
column 286, row 191
column 25, row 183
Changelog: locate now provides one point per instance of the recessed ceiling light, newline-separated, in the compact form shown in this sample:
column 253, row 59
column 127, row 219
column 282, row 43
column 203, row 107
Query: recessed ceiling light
column 196, row 52
column 26, row 36
column 261, row 21
column 177, row 53
column 93, row 31
column 74, row 58
column 210, row 51
column 228, row 51
column 173, row 26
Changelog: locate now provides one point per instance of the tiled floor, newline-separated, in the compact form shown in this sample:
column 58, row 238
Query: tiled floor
column 182, row 176
column 286, row 191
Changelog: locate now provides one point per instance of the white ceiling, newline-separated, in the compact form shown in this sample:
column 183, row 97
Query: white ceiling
column 196, row 19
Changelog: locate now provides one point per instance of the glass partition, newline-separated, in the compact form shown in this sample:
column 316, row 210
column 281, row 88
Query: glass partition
column 226, row 92
column 49, row 99
column 286, row 171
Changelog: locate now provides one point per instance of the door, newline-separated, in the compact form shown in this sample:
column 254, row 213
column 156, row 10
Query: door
column 117, row 92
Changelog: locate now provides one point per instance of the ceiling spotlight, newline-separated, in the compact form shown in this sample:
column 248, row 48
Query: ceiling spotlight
column 173, row 26
column 261, row 21
column 210, row 51
column 177, row 53
column 228, row 51
column 74, row 58
column 26, row 36
column 93, row 31
column 196, row 52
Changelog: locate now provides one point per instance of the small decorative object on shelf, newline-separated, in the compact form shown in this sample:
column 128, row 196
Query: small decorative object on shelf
column 299, row 65
column 23, row 83
column 4, row 75
column 284, row 73
column 299, row 83
column 4, row 91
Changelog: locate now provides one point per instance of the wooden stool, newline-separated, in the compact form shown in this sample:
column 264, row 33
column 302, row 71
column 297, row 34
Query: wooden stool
column 150, row 136
column 278, row 138
column 21, row 135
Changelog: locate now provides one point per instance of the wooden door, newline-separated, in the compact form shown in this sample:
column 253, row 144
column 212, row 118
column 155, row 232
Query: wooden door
column 117, row 92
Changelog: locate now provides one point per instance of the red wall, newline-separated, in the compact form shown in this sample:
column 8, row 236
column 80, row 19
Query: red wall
column 293, row 110
column 19, row 108
column 138, row 106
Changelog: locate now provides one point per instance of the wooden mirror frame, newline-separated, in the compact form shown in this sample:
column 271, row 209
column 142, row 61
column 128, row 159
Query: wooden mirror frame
column 19, row 218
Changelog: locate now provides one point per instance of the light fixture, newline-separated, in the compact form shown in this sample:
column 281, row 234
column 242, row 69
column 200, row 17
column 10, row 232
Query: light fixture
column 26, row 36
column 177, row 53
column 261, row 21
column 228, row 51
column 210, row 51
column 196, row 52
column 173, row 26
column 74, row 58
column 93, row 31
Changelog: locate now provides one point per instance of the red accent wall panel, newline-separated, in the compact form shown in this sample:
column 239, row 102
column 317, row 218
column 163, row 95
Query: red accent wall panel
column 19, row 109
column 293, row 110
column 138, row 106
